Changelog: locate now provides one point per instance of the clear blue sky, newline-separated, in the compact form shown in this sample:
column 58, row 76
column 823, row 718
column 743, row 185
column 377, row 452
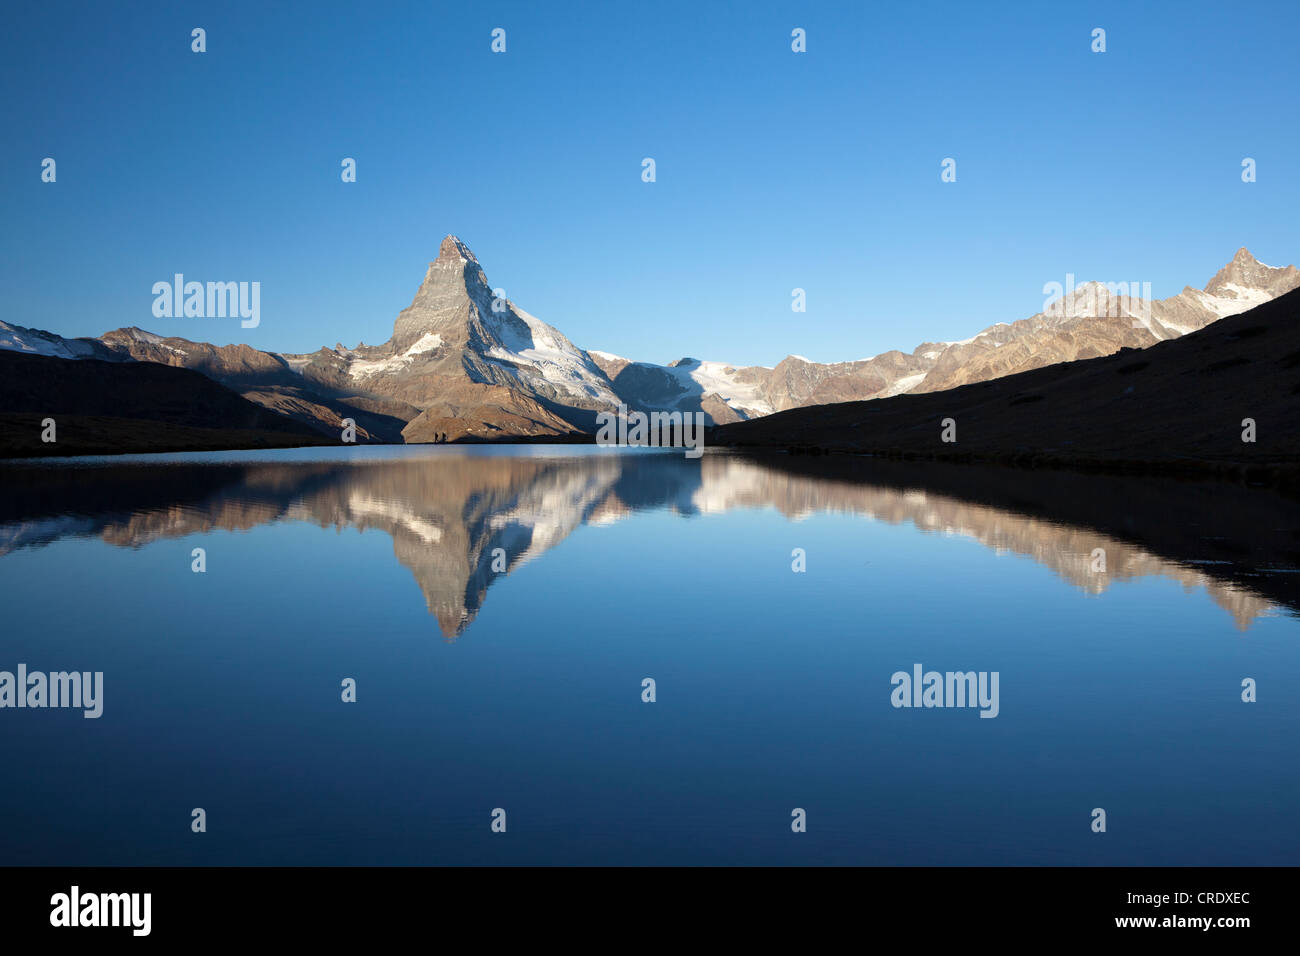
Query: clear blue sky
column 775, row 170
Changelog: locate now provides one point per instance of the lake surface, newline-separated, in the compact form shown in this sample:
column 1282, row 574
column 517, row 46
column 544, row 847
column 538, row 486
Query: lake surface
column 499, row 609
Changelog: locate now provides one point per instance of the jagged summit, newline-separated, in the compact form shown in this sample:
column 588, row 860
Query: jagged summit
column 453, row 248
column 1245, row 272
column 468, row 360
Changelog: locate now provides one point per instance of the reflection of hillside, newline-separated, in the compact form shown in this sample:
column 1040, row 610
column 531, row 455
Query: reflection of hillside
column 1064, row 549
column 448, row 513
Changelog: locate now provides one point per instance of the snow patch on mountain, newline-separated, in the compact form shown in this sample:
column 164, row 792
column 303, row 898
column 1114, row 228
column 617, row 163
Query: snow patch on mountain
column 16, row 338
column 1241, row 299
column 140, row 335
column 549, row 354
column 364, row 368
column 426, row 343
column 904, row 384
column 718, row 378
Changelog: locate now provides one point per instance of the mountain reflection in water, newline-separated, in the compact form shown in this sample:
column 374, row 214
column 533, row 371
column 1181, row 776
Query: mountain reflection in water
column 449, row 510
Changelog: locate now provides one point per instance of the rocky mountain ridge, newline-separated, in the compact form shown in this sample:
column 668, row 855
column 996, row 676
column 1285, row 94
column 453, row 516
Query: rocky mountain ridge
column 464, row 362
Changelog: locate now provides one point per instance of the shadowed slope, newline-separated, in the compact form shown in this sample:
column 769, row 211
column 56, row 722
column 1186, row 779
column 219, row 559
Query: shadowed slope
column 114, row 407
column 1179, row 402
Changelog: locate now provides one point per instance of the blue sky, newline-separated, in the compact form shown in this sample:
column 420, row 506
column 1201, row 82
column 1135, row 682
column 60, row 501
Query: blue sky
column 775, row 170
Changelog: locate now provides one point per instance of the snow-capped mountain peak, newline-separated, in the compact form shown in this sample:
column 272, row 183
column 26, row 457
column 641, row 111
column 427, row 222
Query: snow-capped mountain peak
column 17, row 338
column 1245, row 275
column 457, row 342
column 453, row 248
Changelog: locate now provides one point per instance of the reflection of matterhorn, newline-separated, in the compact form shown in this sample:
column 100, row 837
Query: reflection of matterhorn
column 462, row 523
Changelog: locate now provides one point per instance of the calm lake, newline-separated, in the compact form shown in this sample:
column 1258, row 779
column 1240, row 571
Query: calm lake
column 500, row 608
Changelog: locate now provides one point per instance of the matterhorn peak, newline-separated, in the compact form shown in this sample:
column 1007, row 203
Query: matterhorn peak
column 453, row 248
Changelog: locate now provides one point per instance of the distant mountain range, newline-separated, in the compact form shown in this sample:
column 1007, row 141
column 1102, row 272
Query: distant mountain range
column 1091, row 320
column 1221, row 398
column 464, row 364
